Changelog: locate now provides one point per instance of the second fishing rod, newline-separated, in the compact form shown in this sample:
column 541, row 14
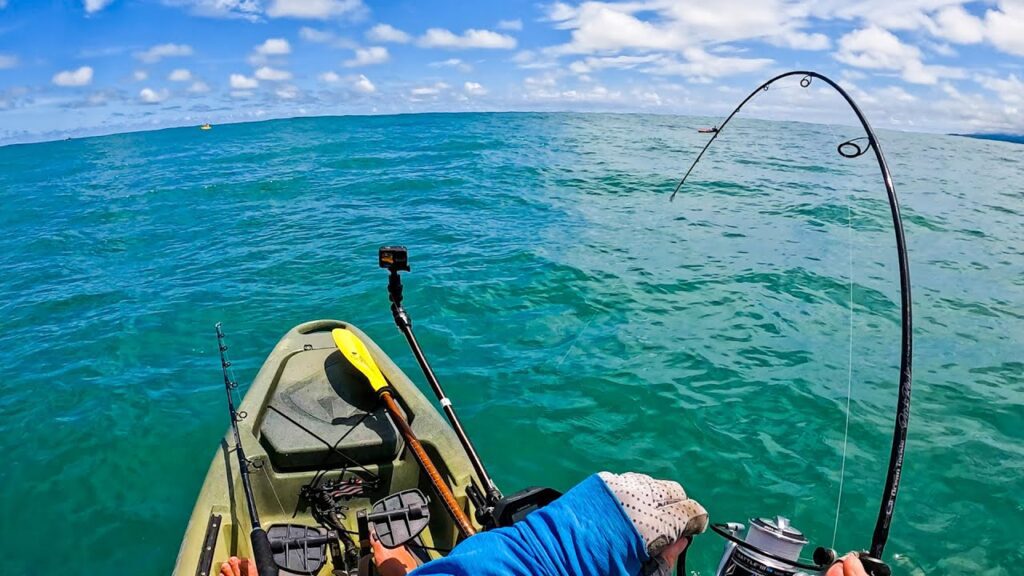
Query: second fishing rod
column 395, row 259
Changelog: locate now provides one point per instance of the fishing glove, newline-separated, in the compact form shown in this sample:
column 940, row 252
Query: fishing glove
column 660, row 511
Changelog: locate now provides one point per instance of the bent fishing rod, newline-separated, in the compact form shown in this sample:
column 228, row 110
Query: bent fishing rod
column 262, row 551
column 850, row 149
column 395, row 259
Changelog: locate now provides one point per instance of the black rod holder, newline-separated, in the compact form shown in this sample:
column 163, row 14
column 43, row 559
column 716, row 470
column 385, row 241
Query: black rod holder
column 396, row 259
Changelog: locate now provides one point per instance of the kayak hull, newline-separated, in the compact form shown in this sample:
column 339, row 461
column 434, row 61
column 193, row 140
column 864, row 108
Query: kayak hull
column 307, row 411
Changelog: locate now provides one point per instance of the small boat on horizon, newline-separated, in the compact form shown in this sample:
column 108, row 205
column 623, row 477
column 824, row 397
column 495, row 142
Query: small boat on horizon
column 206, row 126
column 711, row 130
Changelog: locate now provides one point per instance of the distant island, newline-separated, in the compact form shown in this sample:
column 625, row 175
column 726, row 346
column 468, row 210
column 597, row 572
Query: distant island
column 1015, row 138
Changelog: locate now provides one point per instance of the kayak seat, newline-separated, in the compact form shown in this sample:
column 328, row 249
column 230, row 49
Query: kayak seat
column 319, row 390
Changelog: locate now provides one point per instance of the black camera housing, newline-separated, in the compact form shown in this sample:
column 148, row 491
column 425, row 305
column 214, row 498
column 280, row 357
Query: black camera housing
column 393, row 258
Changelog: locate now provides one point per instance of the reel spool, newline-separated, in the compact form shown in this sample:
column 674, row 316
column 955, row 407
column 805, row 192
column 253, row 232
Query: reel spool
column 771, row 547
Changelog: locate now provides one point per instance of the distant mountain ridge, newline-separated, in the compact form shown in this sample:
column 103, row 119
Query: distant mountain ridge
column 1015, row 138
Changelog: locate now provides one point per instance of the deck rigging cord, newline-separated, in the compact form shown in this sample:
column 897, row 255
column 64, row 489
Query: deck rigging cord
column 262, row 552
column 854, row 148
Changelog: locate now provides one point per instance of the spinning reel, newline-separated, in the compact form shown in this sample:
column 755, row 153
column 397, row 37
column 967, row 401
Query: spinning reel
column 772, row 547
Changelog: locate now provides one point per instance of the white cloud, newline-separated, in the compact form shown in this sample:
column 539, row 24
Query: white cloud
column 287, row 92
column 516, row 24
column 314, row 35
column 8, row 61
column 245, row 9
column 801, row 41
column 877, row 49
column 895, row 94
column 315, row 9
column 595, row 94
column 452, row 63
column 180, row 75
column 941, row 49
column 918, row 73
column 1010, row 89
column 150, row 96
column 359, row 83
column 272, row 74
column 474, row 89
column 623, row 62
column 889, row 14
column 140, row 75
column 472, row 38
column 93, row 6
column 546, row 80
column 318, row 36
column 531, row 60
column 274, row 47
column 387, row 33
column 329, row 77
column 958, row 25
column 601, row 27
column 428, row 91
column 1006, row 27
column 648, row 97
column 606, row 27
column 702, row 66
column 362, row 84
column 72, row 78
column 368, row 56
column 198, row 87
column 970, row 112
column 161, row 51
column 242, row 82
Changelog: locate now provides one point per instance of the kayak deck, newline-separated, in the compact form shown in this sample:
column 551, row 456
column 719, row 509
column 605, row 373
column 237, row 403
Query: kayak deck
column 307, row 416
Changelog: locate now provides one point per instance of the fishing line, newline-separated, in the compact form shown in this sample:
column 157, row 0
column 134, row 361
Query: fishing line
column 274, row 490
column 574, row 340
column 849, row 360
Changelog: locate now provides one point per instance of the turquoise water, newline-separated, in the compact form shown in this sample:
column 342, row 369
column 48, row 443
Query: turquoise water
column 581, row 320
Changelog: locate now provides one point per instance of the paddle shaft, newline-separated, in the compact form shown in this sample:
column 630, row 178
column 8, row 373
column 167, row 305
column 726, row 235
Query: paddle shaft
column 262, row 553
column 440, row 486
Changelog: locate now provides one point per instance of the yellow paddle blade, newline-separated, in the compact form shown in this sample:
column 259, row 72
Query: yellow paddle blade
column 353, row 349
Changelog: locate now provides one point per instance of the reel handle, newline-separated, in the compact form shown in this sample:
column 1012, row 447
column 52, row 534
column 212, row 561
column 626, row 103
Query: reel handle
column 873, row 566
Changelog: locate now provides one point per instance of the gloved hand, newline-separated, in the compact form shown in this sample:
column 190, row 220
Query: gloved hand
column 661, row 512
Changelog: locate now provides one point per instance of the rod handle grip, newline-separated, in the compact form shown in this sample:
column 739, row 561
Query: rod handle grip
column 263, row 553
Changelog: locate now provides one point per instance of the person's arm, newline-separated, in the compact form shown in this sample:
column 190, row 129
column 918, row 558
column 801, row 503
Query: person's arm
column 607, row 524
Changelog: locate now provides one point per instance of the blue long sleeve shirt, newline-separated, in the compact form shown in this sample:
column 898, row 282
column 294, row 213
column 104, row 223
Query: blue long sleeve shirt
column 584, row 533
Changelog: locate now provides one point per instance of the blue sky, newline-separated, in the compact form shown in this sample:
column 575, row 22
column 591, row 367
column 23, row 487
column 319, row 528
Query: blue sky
column 73, row 67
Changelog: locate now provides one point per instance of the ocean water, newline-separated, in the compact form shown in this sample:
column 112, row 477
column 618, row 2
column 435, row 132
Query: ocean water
column 581, row 320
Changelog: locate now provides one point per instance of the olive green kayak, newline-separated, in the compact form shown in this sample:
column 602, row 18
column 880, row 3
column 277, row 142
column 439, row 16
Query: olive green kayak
column 313, row 431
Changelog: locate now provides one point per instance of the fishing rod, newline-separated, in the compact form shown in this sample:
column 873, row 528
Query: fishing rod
column 262, row 551
column 775, row 542
column 396, row 259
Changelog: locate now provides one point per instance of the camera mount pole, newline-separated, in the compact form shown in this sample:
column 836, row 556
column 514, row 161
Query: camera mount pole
column 396, row 259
